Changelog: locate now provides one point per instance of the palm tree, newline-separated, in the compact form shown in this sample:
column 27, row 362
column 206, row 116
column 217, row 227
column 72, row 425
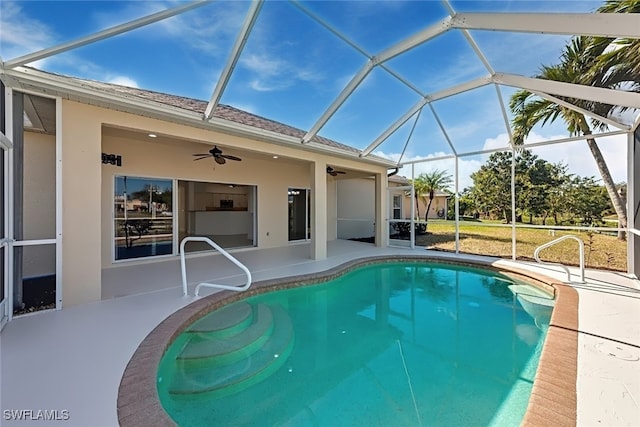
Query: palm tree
column 429, row 183
column 420, row 188
column 577, row 60
column 618, row 61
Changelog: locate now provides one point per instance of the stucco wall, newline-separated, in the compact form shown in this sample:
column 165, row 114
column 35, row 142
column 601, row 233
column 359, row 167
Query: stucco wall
column 39, row 198
column 356, row 208
column 332, row 208
column 81, row 208
column 88, row 184
column 156, row 160
column 439, row 203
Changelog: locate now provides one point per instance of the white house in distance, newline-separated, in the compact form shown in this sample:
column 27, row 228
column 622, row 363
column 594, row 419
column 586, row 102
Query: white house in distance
column 83, row 147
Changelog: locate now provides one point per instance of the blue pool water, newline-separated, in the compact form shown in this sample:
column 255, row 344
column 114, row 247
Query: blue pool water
column 393, row 344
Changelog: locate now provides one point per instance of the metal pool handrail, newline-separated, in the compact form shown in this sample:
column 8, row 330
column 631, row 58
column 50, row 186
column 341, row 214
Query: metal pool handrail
column 226, row 254
column 553, row 242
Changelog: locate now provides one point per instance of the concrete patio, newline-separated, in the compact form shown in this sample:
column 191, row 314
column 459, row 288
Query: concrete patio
column 72, row 360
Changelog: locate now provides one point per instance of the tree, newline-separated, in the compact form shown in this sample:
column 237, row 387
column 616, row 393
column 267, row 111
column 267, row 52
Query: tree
column 535, row 180
column 466, row 205
column 577, row 59
column 429, row 183
column 618, row 60
column 419, row 189
column 491, row 191
column 555, row 193
column 586, row 200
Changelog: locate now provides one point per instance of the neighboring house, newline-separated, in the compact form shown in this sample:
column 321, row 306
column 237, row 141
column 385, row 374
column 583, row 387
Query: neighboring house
column 438, row 208
column 70, row 190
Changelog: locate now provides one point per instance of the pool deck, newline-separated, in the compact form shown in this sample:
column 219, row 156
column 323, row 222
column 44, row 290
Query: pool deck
column 73, row 360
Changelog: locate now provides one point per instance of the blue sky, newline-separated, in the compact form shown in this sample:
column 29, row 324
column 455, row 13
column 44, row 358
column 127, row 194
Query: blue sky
column 292, row 68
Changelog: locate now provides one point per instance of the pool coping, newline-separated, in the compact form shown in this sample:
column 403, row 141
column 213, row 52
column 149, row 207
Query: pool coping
column 553, row 396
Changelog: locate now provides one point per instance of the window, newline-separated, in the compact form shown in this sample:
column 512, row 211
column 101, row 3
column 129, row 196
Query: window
column 397, row 206
column 143, row 217
column 299, row 214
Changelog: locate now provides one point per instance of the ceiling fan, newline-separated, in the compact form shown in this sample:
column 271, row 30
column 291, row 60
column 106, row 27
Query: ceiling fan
column 333, row 172
column 217, row 155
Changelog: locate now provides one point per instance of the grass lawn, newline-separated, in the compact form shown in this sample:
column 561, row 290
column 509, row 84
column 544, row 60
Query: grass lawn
column 601, row 250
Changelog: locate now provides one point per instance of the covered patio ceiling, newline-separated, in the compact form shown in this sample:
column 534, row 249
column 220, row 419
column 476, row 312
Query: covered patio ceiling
column 409, row 94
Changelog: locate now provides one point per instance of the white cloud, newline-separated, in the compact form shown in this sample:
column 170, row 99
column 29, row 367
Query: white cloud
column 272, row 73
column 576, row 155
column 123, row 80
column 262, row 64
column 466, row 166
column 210, row 28
column 21, row 34
column 580, row 160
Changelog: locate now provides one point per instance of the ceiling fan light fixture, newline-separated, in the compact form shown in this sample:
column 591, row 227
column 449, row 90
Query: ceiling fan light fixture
column 217, row 156
column 331, row 171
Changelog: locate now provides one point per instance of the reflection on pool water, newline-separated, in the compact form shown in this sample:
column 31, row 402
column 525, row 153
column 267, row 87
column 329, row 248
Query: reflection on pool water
column 387, row 344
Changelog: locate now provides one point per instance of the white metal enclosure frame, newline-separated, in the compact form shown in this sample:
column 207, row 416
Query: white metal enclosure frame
column 15, row 75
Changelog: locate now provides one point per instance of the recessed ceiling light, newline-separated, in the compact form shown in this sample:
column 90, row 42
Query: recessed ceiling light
column 153, row 135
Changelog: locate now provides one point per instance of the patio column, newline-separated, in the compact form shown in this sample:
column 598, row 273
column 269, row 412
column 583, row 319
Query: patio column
column 382, row 237
column 318, row 171
column 81, row 131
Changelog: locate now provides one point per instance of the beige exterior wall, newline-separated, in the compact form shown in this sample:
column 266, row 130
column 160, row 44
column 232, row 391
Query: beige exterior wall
column 87, row 218
column 154, row 160
column 357, row 203
column 439, row 203
column 39, row 198
column 356, row 208
column 332, row 208
column 81, row 208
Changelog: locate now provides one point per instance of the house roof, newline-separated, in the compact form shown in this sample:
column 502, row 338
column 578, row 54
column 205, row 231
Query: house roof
column 222, row 111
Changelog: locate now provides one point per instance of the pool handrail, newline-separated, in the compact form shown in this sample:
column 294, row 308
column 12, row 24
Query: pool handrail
column 226, row 254
column 536, row 255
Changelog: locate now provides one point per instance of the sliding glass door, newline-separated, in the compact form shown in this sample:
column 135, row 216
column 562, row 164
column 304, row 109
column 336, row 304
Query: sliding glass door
column 223, row 212
column 143, row 217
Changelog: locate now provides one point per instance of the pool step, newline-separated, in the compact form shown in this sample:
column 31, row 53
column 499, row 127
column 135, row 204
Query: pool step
column 234, row 347
column 538, row 304
column 215, row 379
column 225, row 322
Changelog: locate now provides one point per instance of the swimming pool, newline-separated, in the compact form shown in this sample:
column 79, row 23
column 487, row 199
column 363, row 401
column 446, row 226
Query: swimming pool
column 403, row 343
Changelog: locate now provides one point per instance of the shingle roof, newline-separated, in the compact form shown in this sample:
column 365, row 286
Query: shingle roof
column 225, row 112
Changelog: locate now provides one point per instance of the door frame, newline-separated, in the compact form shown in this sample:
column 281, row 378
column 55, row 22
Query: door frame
column 307, row 214
column 8, row 241
column 6, row 145
column 391, row 191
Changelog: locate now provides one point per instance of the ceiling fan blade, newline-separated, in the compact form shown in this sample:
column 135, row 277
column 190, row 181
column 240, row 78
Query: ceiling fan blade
column 220, row 160
column 200, row 158
column 339, row 172
column 227, row 156
column 332, row 173
column 202, row 154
